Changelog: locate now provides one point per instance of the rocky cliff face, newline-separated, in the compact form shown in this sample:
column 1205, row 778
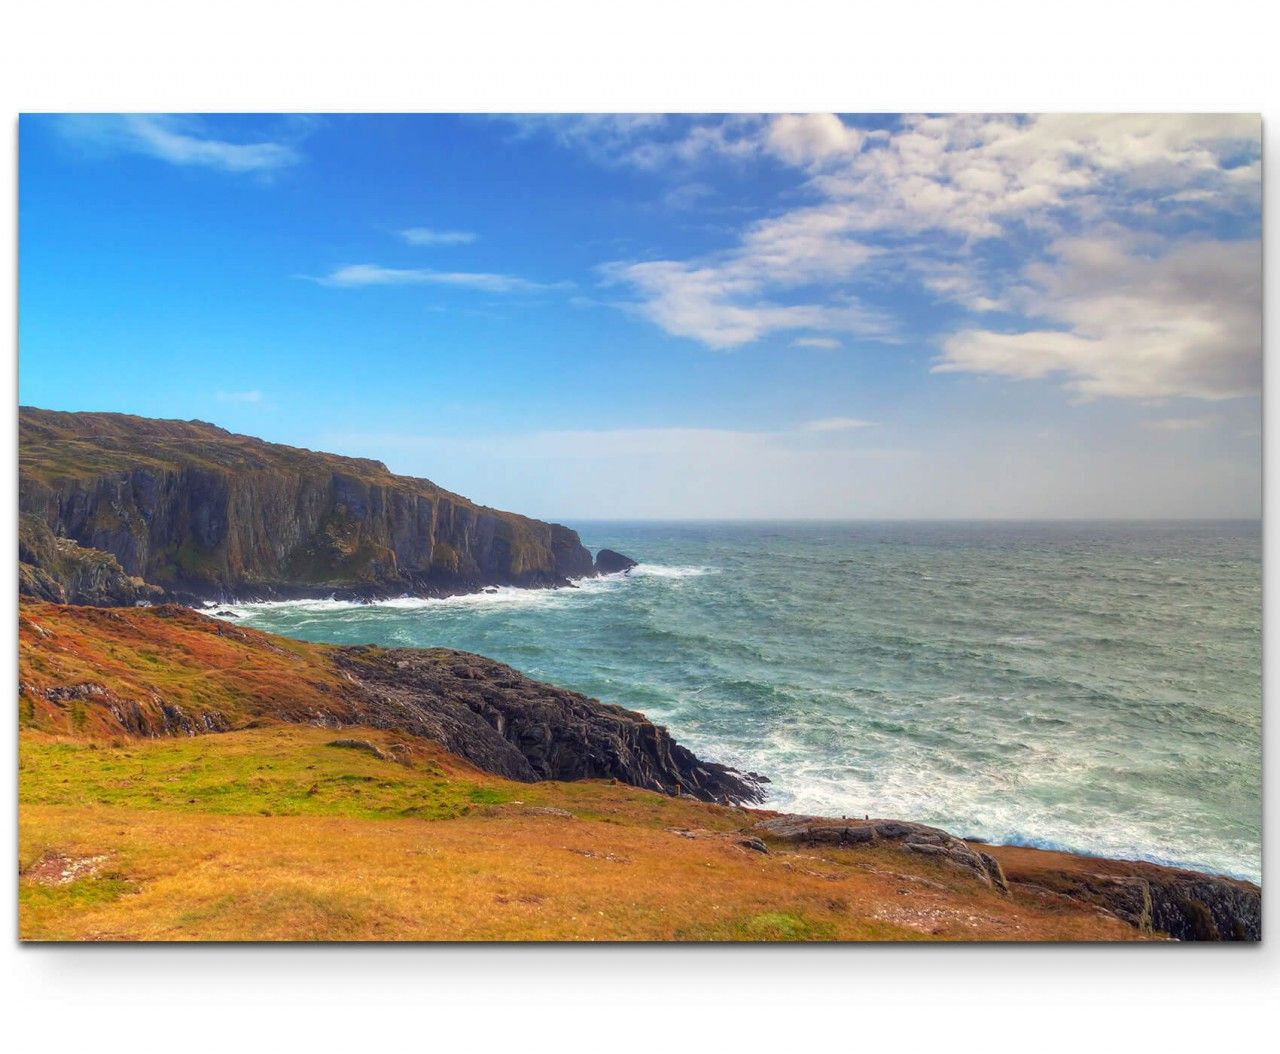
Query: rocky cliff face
column 202, row 513
column 57, row 569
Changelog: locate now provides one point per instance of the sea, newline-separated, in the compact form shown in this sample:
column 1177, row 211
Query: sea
column 1093, row 687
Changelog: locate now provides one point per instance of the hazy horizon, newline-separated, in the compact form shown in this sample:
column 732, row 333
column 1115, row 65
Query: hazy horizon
column 683, row 317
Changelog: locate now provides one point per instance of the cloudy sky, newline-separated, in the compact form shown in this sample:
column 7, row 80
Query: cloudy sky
column 645, row 316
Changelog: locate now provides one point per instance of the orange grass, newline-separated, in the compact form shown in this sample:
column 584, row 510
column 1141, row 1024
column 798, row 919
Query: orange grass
column 171, row 653
column 271, row 833
column 616, row 869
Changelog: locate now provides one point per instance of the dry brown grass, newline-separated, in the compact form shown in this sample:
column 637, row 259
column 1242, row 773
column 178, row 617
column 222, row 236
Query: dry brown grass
column 170, row 653
column 616, row 869
column 270, row 833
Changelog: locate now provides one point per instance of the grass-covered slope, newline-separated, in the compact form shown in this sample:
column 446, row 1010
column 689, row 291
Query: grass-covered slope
column 275, row 834
column 201, row 512
column 244, row 800
column 171, row 671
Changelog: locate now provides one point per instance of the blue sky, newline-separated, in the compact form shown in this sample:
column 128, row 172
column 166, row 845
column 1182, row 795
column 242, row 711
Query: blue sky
column 633, row 316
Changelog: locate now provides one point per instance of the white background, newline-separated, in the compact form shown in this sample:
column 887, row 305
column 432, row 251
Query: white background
column 656, row 55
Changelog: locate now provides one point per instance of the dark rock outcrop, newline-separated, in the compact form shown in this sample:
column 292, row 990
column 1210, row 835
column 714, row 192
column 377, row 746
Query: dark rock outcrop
column 205, row 514
column 64, row 572
column 508, row 724
column 609, row 562
column 1185, row 905
column 479, row 710
column 916, row 837
column 1205, row 908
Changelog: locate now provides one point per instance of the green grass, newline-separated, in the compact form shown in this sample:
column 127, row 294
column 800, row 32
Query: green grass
column 41, row 906
column 87, row 892
column 767, row 926
column 236, row 776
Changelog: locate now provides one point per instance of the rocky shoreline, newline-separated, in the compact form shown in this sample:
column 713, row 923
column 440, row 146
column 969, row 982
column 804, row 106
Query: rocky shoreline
column 76, row 672
column 1153, row 898
column 123, row 520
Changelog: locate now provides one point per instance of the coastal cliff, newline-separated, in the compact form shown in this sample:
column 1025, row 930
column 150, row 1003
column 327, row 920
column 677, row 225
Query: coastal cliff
column 182, row 777
column 197, row 512
column 167, row 670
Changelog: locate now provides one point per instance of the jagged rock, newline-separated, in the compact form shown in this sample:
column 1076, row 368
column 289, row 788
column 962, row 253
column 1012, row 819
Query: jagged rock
column 1185, row 905
column 915, row 837
column 1195, row 907
column 609, row 562
column 64, row 572
column 208, row 515
column 994, row 871
column 513, row 726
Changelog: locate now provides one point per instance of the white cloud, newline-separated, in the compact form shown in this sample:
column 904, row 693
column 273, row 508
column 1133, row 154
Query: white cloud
column 430, row 236
column 974, row 175
column 721, row 303
column 732, row 298
column 803, row 139
column 1183, row 323
column 652, row 142
column 917, row 200
column 815, row 342
column 353, row 275
column 179, row 141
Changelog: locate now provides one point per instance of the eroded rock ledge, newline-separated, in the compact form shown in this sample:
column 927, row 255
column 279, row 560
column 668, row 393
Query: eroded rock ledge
column 1184, row 905
column 513, row 726
column 916, row 837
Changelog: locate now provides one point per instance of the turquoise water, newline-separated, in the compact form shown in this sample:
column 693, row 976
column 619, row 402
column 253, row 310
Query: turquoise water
column 1093, row 687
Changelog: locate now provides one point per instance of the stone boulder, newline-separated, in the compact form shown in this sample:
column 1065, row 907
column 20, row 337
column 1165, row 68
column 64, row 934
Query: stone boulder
column 609, row 562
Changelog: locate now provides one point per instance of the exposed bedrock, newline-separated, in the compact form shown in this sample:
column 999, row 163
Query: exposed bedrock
column 928, row 841
column 513, row 726
column 609, row 562
column 1185, row 905
column 64, row 572
column 205, row 514
column 479, row 710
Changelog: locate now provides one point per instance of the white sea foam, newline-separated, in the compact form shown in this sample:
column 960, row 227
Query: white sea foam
column 492, row 596
column 662, row 571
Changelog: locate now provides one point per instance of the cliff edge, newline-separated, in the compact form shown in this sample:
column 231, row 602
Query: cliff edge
column 200, row 513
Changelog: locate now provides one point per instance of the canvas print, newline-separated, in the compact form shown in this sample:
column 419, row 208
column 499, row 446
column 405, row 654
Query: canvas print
column 586, row 527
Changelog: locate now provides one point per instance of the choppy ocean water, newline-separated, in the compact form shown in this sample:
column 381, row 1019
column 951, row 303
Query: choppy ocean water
column 1095, row 687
